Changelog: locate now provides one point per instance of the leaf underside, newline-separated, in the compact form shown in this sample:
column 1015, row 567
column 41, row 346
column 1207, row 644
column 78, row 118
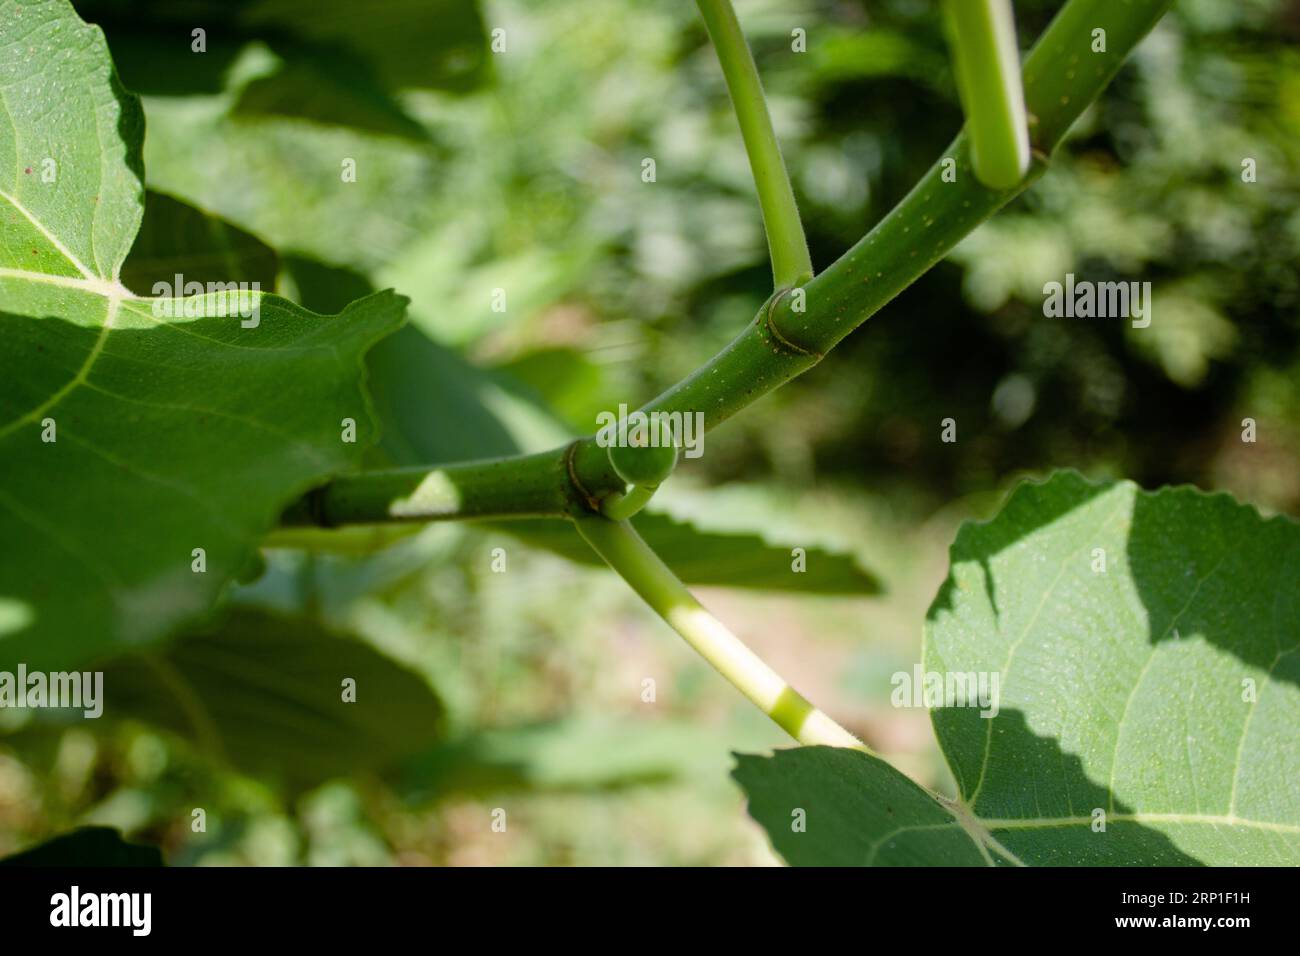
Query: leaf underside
column 264, row 694
column 170, row 434
column 709, row 557
column 1157, row 695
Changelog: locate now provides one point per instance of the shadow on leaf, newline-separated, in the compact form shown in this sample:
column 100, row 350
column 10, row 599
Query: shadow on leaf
column 1235, row 582
column 1029, row 777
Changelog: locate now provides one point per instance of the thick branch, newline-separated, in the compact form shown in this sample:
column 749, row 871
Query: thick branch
column 518, row 487
column 791, row 333
column 1062, row 75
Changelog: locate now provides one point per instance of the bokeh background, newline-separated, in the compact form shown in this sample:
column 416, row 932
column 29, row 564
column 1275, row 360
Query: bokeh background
column 521, row 170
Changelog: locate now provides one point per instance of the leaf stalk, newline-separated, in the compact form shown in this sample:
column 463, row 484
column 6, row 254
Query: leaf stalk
column 791, row 262
column 982, row 34
column 623, row 550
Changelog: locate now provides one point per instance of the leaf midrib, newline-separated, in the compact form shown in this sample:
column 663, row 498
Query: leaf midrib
column 980, row 829
column 1202, row 819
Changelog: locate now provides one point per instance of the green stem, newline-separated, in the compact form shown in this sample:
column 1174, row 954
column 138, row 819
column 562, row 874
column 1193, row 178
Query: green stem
column 524, row 486
column 1062, row 75
column 624, row 551
column 791, row 263
column 790, row 335
column 983, row 38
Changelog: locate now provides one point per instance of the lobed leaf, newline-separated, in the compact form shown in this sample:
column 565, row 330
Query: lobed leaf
column 1145, row 646
column 264, row 694
column 144, row 453
column 175, row 237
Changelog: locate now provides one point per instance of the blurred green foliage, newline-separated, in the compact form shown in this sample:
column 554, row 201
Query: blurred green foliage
column 522, row 171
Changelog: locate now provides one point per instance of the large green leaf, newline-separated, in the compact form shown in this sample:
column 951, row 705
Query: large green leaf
column 264, row 694
column 170, row 434
column 328, row 89
column 1156, row 694
column 177, row 238
column 284, row 181
column 437, row 407
column 411, row 43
